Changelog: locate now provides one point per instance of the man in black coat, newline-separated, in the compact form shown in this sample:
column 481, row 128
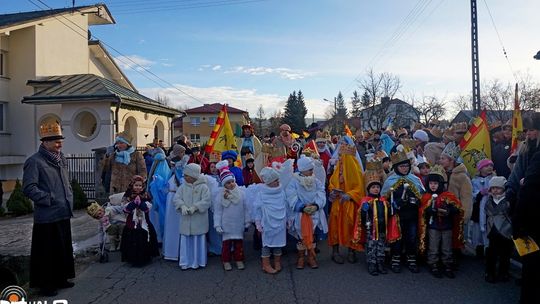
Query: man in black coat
column 46, row 183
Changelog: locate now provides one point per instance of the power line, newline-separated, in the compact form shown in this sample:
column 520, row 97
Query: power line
column 186, row 6
column 500, row 42
column 124, row 56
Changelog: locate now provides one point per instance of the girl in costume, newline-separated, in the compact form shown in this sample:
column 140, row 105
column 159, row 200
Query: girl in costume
column 192, row 200
column 231, row 216
column 306, row 199
column 270, row 213
column 159, row 172
column 139, row 241
column 404, row 189
column 441, row 223
column 480, row 190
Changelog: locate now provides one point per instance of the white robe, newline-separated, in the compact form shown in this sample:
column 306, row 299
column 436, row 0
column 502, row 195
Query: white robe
column 232, row 215
column 298, row 194
column 270, row 209
column 172, row 225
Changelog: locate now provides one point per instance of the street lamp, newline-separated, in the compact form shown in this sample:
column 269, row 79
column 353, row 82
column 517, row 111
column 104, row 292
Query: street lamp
column 335, row 111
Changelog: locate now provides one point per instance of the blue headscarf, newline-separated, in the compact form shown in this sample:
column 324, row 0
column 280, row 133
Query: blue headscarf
column 124, row 157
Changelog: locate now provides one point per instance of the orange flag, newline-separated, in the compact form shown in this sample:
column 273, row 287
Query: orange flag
column 476, row 145
column 347, row 131
column 517, row 123
column 222, row 137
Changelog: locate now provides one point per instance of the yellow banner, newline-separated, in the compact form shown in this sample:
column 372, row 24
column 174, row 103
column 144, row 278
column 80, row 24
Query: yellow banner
column 476, row 145
column 225, row 139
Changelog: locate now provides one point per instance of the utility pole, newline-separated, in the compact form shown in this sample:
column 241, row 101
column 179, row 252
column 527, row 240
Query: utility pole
column 475, row 60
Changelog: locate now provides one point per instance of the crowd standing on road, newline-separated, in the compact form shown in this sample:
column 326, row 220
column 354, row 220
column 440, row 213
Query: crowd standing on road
column 403, row 196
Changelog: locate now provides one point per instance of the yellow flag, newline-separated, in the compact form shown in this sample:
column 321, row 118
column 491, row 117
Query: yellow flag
column 476, row 145
column 294, row 135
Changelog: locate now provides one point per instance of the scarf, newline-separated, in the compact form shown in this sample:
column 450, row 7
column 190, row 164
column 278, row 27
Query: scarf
column 124, row 157
column 55, row 158
column 234, row 197
column 306, row 181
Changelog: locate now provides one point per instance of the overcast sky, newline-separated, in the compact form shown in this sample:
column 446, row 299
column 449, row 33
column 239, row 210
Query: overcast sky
column 251, row 52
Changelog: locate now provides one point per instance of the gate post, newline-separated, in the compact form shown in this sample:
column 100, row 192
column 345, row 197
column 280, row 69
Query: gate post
column 101, row 195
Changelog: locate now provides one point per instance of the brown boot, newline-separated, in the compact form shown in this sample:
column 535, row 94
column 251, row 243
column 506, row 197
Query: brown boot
column 277, row 263
column 266, row 267
column 311, row 258
column 300, row 261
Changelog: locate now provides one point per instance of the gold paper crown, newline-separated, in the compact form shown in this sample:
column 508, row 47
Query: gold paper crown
column 437, row 132
column 438, row 170
column 214, row 157
column 408, row 144
column 402, row 131
column 93, row 209
column 346, row 149
column 50, row 131
column 448, row 134
column 380, row 155
column 371, row 177
column 399, row 156
column 460, row 127
column 374, row 165
column 418, row 126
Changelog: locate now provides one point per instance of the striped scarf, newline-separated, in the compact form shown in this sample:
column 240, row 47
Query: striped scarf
column 56, row 158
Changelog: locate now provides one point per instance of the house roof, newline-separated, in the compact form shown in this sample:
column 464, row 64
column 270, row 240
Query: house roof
column 101, row 54
column 213, row 109
column 102, row 16
column 89, row 88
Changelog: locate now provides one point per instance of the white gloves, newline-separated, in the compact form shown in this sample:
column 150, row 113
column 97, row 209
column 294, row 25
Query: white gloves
column 259, row 226
column 219, row 229
column 184, row 209
column 192, row 209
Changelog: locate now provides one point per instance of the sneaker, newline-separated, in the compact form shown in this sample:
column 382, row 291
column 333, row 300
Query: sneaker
column 240, row 265
column 351, row 257
column 436, row 272
column 227, row 266
column 381, row 269
column 413, row 268
column 337, row 258
column 395, row 268
column 372, row 269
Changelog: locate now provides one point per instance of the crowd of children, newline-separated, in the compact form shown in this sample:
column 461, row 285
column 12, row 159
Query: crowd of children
column 399, row 203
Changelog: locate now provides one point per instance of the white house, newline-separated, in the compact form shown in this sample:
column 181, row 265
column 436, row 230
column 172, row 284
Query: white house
column 50, row 69
column 396, row 111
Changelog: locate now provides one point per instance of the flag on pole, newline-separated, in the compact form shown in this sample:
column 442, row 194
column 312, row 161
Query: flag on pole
column 517, row 123
column 476, row 145
column 222, row 137
column 347, row 131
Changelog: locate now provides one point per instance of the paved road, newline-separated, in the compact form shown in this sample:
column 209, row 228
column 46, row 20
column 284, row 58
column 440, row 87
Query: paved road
column 164, row 282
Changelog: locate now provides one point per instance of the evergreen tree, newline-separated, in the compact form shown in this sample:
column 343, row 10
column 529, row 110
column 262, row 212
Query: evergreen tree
column 356, row 104
column 80, row 200
column 18, row 203
column 295, row 112
column 340, row 114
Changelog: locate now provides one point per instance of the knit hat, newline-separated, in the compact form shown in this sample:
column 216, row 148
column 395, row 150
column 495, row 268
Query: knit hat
column 497, row 181
column 269, row 175
column 224, row 174
column 229, row 154
column 483, row 163
column 421, row 135
column 50, row 131
column 192, row 170
column 305, row 163
column 285, row 127
column 124, row 137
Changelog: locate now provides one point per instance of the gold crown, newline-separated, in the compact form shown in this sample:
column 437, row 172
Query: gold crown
column 438, row 170
column 418, row 126
column 346, row 149
column 402, row 131
column 50, row 131
column 399, row 156
column 374, row 165
column 452, row 150
column 408, row 144
column 214, row 157
column 371, row 177
column 437, row 132
column 448, row 134
column 93, row 209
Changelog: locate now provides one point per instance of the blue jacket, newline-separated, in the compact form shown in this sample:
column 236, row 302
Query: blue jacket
column 46, row 183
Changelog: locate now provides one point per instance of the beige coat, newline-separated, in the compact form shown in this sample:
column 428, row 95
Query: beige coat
column 460, row 185
column 189, row 195
column 121, row 174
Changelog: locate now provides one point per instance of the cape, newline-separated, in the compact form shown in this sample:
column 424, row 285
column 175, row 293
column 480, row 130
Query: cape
column 392, row 232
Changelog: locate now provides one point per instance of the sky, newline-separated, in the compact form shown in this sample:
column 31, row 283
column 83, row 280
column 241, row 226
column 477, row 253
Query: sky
column 256, row 52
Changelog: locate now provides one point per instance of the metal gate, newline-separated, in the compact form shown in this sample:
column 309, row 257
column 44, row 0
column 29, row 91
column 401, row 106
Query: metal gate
column 82, row 168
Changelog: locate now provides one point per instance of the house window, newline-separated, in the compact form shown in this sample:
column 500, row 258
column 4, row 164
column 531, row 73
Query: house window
column 212, row 121
column 85, row 124
column 195, row 138
column 3, row 111
column 195, row 121
column 3, row 63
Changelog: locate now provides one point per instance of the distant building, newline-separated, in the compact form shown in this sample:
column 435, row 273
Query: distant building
column 48, row 62
column 200, row 121
column 396, row 111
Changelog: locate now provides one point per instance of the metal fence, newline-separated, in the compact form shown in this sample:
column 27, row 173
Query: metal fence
column 82, row 167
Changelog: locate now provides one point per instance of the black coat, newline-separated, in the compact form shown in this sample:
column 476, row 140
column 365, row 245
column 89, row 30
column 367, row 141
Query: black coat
column 500, row 154
column 527, row 209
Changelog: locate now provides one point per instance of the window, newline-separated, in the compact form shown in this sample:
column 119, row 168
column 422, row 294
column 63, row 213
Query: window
column 195, row 138
column 3, row 63
column 195, row 121
column 85, row 125
column 212, row 121
column 3, row 111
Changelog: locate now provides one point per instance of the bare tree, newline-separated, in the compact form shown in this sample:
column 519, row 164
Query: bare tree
column 260, row 118
column 430, row 109
column 275, row 121
column 162, row 99
column 379, row 90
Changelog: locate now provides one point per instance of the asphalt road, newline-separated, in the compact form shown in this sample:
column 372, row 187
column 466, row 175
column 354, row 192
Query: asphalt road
column 164, row 282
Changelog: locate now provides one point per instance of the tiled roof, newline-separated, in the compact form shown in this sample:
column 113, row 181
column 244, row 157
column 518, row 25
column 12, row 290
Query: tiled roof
column 213, row 108
column 19, row 18
column 87, row 87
